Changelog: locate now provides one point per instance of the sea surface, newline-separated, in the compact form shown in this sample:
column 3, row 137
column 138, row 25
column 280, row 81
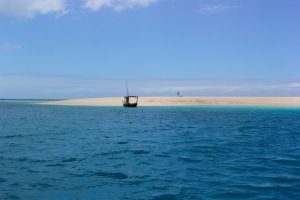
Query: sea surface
column 77, row 152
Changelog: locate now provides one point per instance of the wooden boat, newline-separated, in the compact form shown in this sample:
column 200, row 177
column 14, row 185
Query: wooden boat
column 130, row 101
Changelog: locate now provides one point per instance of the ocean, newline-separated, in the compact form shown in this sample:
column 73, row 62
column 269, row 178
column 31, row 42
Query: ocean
column 205, row 152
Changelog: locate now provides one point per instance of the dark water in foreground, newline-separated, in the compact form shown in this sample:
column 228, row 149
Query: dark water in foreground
column 61, row 152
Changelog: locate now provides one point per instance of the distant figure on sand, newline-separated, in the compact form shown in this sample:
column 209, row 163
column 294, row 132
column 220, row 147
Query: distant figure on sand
column 179, row 95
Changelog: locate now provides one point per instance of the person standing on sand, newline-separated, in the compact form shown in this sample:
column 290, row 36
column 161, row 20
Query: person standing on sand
column 179, row 95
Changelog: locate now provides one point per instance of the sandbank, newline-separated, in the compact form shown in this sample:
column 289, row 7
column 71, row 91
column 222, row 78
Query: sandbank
column 185, row 101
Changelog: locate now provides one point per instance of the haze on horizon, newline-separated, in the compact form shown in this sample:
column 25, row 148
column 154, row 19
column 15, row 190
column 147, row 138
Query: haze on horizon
column 88, row 48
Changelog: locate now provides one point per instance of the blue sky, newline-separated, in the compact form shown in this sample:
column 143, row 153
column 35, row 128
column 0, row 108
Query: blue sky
column 88, row 48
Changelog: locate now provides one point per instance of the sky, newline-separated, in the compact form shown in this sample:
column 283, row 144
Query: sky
column 89, row 48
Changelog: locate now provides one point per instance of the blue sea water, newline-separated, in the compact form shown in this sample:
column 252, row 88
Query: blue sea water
column 74, row 152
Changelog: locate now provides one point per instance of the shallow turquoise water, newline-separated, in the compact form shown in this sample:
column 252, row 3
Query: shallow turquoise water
column 73, row 152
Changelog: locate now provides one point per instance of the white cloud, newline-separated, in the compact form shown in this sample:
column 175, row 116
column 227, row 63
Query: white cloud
column 65, row 87
column 57, row 87
column 117, row 5
column 220, row 88
column 9, row 47
column 212, row 9
column 294, row 85
column 30, row 8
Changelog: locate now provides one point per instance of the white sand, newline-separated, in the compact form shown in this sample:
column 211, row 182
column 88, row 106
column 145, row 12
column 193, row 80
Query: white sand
column 185, row 101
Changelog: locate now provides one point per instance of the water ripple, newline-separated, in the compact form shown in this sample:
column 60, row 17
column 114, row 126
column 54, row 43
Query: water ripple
column 73, row 152
column 140, row 152
column 165, row 197
column 116, row 175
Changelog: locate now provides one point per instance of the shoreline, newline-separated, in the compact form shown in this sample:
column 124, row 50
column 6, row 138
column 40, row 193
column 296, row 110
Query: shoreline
column 184, row 101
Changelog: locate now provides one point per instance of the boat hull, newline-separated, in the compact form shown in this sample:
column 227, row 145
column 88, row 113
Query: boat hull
column 130, row 104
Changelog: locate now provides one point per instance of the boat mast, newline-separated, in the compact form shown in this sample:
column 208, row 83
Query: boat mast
column 127, row 88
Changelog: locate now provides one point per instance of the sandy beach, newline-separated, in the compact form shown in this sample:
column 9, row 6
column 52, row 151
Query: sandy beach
column 185, row 101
